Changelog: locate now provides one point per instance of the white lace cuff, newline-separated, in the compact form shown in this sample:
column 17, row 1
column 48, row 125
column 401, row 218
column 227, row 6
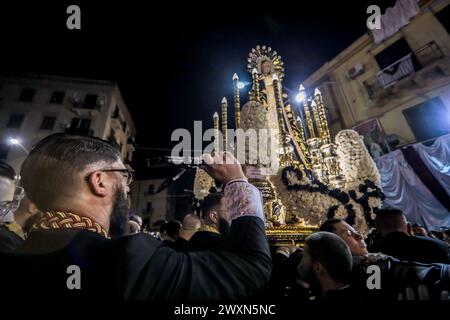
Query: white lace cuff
column 243, row 199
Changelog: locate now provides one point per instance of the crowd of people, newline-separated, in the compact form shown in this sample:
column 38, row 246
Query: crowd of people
column 70, row 208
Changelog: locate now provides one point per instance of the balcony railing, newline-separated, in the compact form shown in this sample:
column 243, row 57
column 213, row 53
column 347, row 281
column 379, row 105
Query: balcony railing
column 402, row 68
column 79, row 109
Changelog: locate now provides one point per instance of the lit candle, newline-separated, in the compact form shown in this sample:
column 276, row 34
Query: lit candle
column 237, row 103
column 224, row 123
column 317, row 119
column 216, row 131
column 322, row 115
column 301, row 129
column 255, row 89
column 309, row 124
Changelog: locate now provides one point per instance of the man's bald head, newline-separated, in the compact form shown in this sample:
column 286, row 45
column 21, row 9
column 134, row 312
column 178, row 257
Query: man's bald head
column 53, row 171
column 191, row 222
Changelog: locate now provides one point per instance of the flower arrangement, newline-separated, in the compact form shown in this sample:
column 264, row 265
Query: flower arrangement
column 356, row 202
column 355, row 161
column 255, row 116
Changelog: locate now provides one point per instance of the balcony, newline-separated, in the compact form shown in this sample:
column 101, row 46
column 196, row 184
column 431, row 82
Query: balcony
column 81, row 110
column 384, row 83
column 90, row 106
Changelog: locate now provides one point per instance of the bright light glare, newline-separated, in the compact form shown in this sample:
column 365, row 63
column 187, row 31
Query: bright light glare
column 300, row 97
column 14, row 141
column 240, row 85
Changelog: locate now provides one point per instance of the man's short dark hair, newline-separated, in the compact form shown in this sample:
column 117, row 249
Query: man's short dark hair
column 7, row 171
column 329, row 225
column 388, row 212
column 332, row 252
column 51, row 172
column 211, row 202
column 389, row 218
column 173, row 228
column 163, row 227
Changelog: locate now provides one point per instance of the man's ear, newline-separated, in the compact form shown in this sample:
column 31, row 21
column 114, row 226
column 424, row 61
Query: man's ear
column 318, row 268
column 409, row 229
column 213, row 216
column 97, row 183
column 32, row 209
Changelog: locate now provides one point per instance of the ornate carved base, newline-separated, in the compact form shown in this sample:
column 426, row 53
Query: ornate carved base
column 289, row 235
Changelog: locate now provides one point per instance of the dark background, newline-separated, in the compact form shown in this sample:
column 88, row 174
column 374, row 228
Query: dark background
column 174, row 60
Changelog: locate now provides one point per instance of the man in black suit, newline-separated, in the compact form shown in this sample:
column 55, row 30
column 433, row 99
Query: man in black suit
column 327, row 262
column 169, row 232
column 81, row 185
column 215, row 225
column 191, row 224
column 398, row 241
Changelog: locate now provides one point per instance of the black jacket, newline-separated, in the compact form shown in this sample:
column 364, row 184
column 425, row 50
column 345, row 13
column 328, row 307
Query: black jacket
column 138, row 266
column 205, row 240
column 9, row 241
column 396, row 276
column 410, row 248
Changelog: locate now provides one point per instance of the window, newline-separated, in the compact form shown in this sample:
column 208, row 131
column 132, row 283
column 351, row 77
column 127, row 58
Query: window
column 116, row 113
column 428, row 119
column 151, row 189
column 48, row 123
column 80, row 126
column 149, row 207
column 394, row 53
column 4, row 149
column 444, row 17
column 90, row 102
column 57, row 97
column 15, row 121
column 27, row 94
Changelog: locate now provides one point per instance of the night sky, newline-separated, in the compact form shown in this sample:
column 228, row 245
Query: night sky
column 174, row 62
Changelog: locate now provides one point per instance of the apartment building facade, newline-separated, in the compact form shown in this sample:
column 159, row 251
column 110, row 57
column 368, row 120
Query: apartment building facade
column 35, row 106
column 400, row 83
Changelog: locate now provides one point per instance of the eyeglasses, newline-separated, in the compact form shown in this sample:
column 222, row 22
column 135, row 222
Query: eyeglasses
column 353, row 233
column 128, row 173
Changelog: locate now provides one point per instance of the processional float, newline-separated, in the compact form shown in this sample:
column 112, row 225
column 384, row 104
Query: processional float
column 309, row 177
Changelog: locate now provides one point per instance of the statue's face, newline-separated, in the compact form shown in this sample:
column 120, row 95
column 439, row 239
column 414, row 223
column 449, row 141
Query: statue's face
column 266, row 68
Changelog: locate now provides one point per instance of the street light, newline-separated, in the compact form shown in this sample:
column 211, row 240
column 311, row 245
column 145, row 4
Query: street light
column 16, row 142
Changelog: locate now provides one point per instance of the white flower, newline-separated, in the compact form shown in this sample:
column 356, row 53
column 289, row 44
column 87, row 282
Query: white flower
column 356, row 163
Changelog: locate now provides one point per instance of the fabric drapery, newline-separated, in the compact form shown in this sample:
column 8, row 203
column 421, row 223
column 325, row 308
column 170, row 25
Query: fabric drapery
column 399, row 70
column 395, row 18
column 404, row 189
